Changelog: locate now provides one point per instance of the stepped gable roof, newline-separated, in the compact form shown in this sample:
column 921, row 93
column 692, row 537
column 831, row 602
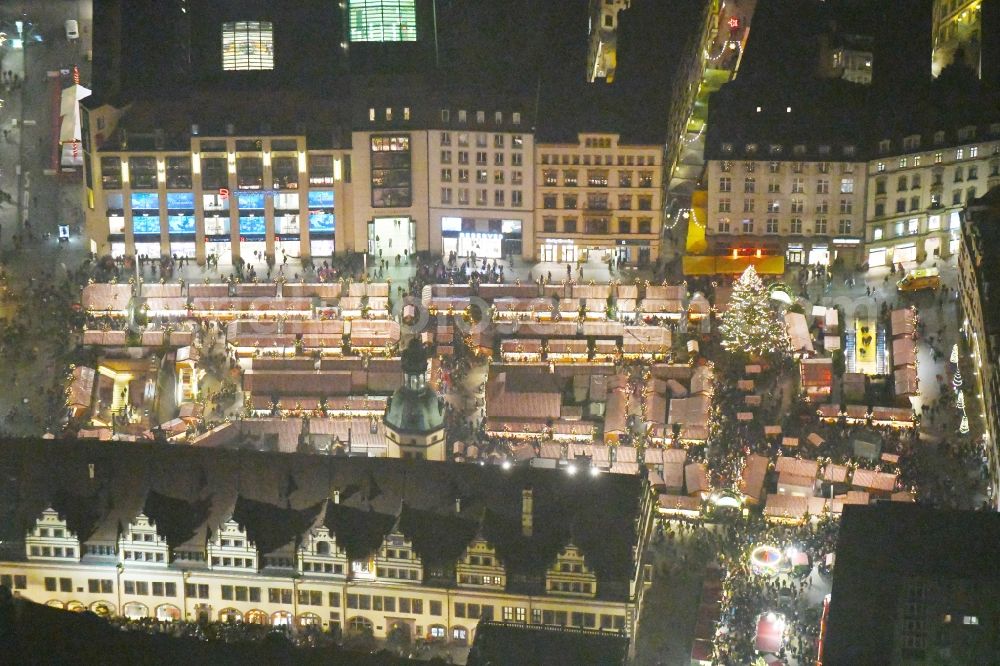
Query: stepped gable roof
column 277, row 496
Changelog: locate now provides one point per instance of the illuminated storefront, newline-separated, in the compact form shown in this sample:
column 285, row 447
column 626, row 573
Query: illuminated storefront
column 557, row 249
column 287, row 225
column 322, row 223
column 389, row 236
column 146, row 223
column 181, row 223
column 253, row 226
column 484, row 238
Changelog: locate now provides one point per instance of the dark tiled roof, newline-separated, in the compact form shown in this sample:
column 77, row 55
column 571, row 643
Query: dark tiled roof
column 278, row 496
column 270, row 527
column 359, row 531
column 177, row 520
column 502, row 643
column 879, row 548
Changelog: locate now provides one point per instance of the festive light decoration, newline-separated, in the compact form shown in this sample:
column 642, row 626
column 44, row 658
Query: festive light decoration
column 956, row 381
column 954, row 354
column 750, row 324
column 960, row 401
column 964, row 427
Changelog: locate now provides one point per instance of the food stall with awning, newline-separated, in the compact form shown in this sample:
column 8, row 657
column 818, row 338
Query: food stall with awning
column 645, row 342
column 567, row 350
column 521, row 350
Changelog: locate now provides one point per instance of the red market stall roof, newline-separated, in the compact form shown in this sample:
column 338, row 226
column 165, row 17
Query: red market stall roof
column 905, row 381
column 696, row 478
column 903, row 352
column 817, row 372
column 902, row 323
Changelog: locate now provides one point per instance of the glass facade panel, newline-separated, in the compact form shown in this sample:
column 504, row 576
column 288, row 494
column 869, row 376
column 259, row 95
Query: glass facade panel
column 321, row 222
column 390, row 172
column 178, row 172
column 111, row 173
column 145, row 201
column 181, row 224
column 247, row 45
column 321, row 199
column 142, row 171
column 383, row 21
column 285, row 173
column 180, row 200
column 146, row 225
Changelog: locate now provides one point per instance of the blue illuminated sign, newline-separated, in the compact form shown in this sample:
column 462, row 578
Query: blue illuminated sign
column 180, row 224
column 250, row 200
column 144, row 225
column 321, row 222
column 253, row 225
column 182, row 200
column 145, row 201
column 321, row 199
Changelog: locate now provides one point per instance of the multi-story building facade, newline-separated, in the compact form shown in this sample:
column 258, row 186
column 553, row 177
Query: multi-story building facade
column 801, row 201
column 390, row 189
column 481, row 183
column 917, row 187
column 362, row 545
column 956, row 34
column 598, row 194
column 978, row 282
column 225, row 197
column 602, row 53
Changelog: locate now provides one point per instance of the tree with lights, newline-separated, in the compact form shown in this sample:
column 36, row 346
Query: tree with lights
column 750, row 324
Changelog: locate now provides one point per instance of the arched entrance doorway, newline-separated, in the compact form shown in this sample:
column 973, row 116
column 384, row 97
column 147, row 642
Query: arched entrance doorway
column 133, row 610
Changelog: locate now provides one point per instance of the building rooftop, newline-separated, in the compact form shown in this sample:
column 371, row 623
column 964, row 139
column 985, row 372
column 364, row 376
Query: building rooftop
column 779, row 72
column 884, row 549
column 507, row 643
column 99, row 488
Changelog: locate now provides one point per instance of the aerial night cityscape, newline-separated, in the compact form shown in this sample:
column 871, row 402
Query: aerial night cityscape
column 557, row 332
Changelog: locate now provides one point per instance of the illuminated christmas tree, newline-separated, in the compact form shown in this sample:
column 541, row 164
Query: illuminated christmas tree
column 750, row 324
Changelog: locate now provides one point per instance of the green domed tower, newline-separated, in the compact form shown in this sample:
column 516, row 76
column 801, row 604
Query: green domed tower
column 414, row 417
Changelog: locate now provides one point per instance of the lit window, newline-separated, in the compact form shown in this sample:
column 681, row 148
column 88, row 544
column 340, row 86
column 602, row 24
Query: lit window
column 247, row 45
column 383, row 21
column 970, row 619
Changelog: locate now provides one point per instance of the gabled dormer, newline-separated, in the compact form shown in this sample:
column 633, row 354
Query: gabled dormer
column 230, row 548
column 140, row 544
column 570, row 574
column 50, row 539
column 397, row 560
column 320, row 554
column 479, row 567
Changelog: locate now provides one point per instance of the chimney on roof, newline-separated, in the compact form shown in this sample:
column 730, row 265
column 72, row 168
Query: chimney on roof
column 527, row 511
column 336, row 497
